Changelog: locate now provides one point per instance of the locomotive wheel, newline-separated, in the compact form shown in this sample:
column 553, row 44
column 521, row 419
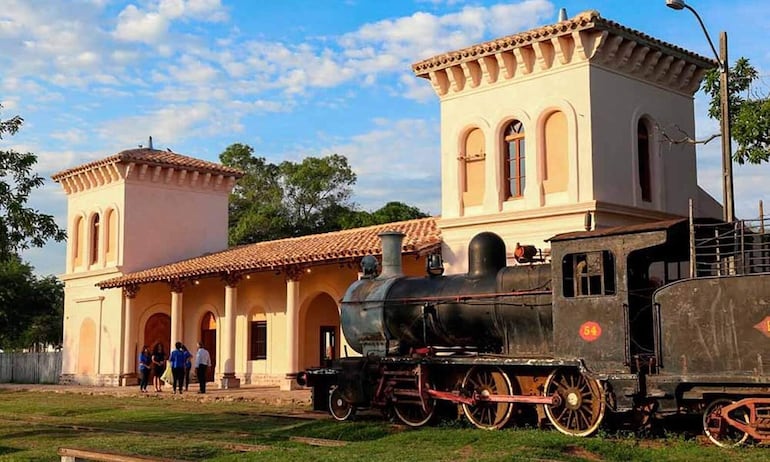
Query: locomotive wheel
column 717, row 430
column 339, row 407
column 412, row 413
column 486, row 381
column 581, row 406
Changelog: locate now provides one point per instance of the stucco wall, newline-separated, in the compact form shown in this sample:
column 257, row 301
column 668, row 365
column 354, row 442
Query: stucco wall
column 196, row 220
column 618, row 102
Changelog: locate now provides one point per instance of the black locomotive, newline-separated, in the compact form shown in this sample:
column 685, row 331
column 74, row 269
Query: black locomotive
column 665, row 317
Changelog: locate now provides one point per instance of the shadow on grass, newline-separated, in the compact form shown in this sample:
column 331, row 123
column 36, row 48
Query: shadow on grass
column 5, row 450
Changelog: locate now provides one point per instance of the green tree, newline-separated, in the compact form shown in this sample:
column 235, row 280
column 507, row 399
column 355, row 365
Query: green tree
column 31, row 309
column 315, row 187
column 256, row 208
column 294, row 199
column 749, row 111
column 20, row 226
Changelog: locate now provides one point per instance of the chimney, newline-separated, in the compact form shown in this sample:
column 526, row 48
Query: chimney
column 150, row 143
column 391, row 253
column 562, row 14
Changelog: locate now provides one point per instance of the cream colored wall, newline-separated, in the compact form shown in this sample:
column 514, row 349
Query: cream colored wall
column 530, row 100
column 86, row 304
column 618, row 102
column 85, row 204
column 197, row 220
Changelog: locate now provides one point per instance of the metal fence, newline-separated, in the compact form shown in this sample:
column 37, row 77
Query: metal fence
column 30, row 367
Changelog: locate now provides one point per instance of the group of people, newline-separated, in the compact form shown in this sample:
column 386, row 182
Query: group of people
column 180, row 362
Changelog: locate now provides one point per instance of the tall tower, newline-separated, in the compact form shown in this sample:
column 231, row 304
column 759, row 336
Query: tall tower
column 130, row 211
column 541, row 127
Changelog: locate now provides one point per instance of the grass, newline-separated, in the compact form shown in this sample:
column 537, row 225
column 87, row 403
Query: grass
column 34, row 424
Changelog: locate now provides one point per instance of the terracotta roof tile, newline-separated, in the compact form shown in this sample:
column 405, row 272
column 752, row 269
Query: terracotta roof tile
column 154, row 157
column 590, row 19
column 422, row 236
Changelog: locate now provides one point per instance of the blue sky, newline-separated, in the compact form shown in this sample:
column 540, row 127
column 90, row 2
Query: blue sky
column 293, row 79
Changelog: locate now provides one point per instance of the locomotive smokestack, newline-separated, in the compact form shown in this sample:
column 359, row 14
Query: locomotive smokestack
column 391, row 253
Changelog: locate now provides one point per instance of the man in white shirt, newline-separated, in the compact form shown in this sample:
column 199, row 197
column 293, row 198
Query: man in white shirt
column 202, row 363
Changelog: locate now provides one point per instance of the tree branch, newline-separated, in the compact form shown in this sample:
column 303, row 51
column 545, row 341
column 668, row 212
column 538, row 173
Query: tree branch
column 686, row 138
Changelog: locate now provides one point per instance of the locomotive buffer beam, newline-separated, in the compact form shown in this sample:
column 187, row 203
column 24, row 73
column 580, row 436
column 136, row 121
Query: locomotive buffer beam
column 476, row 398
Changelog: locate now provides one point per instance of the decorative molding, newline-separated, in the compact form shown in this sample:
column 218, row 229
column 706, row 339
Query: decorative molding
column 130, row 290
column 177, row 285
column 232, row 279
column 612, row 49
column 293, row 272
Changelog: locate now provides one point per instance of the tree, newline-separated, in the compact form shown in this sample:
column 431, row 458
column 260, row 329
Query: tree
column 313, row 188
column 294, row 199
column 749, row 111
column 256, row 208
column 21, row 226
column 31, row 309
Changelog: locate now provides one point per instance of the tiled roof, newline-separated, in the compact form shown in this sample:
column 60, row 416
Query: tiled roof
column 154, row 157
column 422, row 237
column 590, row 19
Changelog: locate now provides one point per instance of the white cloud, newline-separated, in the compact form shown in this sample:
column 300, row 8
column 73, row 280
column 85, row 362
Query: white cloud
column 152, row 25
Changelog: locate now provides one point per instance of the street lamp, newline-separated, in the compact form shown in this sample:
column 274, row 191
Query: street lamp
column 724, row 79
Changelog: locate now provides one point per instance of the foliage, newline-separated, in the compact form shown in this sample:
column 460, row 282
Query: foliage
column 31, row 308
column 749, row 111
column 20, row 226
column 295, row 199
column 257, row 212
column 312, row 188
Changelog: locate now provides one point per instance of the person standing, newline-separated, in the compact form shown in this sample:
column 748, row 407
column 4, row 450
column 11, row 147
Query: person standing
column 187, row 367
column 177, row 360
column 202, row 363
column 158, row 365
column 145, row 361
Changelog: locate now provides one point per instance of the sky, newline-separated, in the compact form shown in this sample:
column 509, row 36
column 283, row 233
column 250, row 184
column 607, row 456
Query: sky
column 293, row 79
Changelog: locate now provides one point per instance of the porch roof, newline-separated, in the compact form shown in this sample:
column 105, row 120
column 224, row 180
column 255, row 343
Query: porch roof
column 286, row 255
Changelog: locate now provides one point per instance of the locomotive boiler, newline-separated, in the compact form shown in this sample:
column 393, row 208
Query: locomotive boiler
column 656, row 318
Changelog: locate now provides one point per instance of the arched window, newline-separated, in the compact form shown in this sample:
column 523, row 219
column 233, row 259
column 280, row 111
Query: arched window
column 514, row 159
column 643, row 150
column 555, row 150
column 95, row 239
column 473, row 167
column 111, row 235
column 77, row 242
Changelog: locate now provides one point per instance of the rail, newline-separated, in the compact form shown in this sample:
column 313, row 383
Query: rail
column 727, row 249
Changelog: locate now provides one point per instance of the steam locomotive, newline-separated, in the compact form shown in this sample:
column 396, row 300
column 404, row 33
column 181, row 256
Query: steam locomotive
column 657, row 318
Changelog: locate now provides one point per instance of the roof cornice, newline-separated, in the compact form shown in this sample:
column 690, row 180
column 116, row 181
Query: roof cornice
column 586, row 37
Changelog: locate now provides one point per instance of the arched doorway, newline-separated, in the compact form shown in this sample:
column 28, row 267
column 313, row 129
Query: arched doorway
column 320, row 332
column 158, row 330
column 209, row 341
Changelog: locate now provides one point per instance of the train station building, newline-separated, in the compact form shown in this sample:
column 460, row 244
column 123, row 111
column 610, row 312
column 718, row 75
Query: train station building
column 539, row 130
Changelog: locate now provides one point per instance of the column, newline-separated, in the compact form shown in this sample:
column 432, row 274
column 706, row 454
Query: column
column 128, row 373
column 228, row 354
column 176, row 313
column 292, row 330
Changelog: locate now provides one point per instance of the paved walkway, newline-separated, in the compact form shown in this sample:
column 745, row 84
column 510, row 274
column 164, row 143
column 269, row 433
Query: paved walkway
column 267, row 395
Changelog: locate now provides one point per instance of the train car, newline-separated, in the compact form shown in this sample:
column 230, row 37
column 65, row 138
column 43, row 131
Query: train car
column 664, row 317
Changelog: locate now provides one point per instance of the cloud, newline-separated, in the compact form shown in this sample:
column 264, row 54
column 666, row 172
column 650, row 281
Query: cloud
column 412, row 173
column 151, row 26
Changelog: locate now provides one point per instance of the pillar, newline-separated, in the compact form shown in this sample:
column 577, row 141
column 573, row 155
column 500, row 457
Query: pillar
column 228, row 354
column 128, row 373
column 176, row 319
column 292, row 331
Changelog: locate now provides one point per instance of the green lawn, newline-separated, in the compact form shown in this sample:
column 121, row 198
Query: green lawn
column 34, row 424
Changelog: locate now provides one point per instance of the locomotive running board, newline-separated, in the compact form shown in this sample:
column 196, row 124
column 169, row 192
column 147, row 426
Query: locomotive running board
column 477, row 398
